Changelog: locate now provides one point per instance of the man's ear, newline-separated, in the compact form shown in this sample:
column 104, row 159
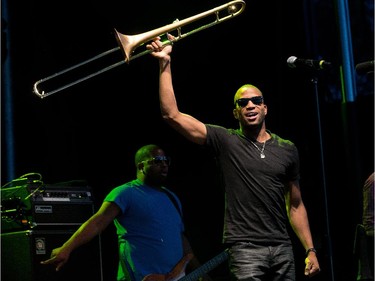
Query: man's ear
column 235, row 113
column 140, row 166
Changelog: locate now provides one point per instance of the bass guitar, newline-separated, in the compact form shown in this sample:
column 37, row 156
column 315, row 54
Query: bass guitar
column 178, row 272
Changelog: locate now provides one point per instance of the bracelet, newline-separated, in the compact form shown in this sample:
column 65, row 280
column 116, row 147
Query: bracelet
column 310, row 250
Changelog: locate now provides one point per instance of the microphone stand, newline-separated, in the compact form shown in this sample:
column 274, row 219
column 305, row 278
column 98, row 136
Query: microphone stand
column 314, row 80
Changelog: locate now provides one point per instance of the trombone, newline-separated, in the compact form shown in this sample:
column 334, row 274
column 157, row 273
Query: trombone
column 129, row 43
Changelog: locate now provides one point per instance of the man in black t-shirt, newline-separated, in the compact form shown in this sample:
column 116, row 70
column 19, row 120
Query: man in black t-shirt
column 260, row 174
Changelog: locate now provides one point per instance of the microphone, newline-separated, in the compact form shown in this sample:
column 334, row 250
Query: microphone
column 365, row 67
column 295, row 62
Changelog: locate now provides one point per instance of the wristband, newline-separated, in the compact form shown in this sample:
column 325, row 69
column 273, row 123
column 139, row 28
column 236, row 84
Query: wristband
column 310, row 250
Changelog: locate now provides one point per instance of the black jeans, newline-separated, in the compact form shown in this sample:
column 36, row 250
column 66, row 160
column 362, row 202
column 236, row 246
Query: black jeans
column 250, row 262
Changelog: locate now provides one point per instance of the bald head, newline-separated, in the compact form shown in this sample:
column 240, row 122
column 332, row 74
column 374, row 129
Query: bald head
column 244, row 88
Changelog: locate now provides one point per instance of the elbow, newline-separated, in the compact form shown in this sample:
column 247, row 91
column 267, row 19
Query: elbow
column 170, row 120
column 165, row 116
column 169, row 117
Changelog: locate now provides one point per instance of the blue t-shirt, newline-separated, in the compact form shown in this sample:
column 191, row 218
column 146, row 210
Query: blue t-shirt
column 149, row 230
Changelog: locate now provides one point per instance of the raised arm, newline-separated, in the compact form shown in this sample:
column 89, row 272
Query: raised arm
column 185, row 124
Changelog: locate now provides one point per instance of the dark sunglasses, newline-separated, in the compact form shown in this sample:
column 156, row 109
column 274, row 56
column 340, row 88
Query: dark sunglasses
column 258, row 100
column 159, row 160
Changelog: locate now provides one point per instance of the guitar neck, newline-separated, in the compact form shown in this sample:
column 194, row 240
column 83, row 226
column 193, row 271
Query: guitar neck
column 208, row 266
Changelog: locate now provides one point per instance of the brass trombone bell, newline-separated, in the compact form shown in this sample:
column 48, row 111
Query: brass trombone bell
column 129, row 43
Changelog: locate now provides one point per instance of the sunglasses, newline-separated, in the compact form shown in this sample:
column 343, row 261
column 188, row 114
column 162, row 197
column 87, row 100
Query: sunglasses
column 258, row 100
column 159, row 160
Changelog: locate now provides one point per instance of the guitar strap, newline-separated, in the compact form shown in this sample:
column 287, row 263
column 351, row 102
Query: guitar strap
column 173, row 199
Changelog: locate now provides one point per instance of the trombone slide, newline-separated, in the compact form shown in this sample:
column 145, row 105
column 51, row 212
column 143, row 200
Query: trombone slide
column 129, row 43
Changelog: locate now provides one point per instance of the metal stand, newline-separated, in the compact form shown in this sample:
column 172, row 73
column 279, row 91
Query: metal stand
column 329, row 244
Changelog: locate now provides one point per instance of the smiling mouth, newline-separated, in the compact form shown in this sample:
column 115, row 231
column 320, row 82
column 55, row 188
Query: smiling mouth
column 251, row 114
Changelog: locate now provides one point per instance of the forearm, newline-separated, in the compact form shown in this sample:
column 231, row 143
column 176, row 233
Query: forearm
column 168, row 103
column 85, row 233
column 300, row 224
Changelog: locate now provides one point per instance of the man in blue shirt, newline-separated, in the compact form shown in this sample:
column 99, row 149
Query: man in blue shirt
column 148, row 221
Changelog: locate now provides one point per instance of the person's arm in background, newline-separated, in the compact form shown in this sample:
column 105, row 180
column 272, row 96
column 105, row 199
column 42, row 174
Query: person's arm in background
column 368, row 205
column 85, row 233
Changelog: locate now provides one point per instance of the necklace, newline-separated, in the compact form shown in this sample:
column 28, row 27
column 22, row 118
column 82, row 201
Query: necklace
column 262, row 155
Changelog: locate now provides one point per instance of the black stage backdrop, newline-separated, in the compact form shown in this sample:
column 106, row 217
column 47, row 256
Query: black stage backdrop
column 91, row 131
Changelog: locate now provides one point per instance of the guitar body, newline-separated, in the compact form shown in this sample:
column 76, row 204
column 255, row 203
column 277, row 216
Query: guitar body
column 178, row 272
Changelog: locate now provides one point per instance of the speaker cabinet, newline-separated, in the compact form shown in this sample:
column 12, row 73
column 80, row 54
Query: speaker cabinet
column 22, row 252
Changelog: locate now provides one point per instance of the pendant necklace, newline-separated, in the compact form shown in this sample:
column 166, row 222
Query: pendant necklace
column 262, row 155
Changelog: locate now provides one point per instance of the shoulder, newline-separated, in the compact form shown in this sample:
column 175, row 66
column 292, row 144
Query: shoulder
column 284, row 146
column 281, row 141
column 220, row 130
column 128, row 187
column 220, row 137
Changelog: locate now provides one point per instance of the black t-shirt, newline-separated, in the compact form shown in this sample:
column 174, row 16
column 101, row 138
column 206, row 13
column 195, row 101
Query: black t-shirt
column 255, row 209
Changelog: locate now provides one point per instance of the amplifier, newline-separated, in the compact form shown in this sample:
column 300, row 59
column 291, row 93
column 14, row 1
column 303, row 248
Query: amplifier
column 43, row 206
column 22, row 252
